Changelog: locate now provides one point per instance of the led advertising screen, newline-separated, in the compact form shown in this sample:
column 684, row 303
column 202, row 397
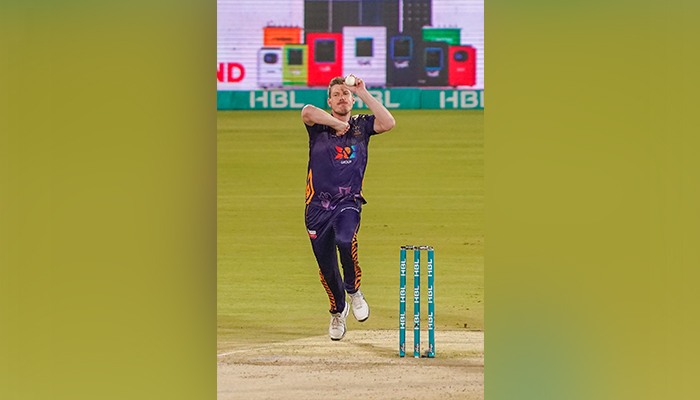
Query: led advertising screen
column 392, row 42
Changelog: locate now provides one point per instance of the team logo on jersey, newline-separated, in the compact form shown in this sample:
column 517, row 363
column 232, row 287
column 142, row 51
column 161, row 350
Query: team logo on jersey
column 312, row 234
column 345, row 152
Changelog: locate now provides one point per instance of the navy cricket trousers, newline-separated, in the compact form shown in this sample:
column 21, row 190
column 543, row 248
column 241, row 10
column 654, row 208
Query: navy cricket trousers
column 331, row 229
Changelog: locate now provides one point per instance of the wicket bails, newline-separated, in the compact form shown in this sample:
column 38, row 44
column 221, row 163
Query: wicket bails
column 416, row 301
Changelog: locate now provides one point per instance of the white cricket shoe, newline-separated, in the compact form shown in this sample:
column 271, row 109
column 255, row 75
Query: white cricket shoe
column 360, row 309
column 337, row 328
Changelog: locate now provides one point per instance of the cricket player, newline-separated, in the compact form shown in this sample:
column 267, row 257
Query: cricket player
column 337, row 159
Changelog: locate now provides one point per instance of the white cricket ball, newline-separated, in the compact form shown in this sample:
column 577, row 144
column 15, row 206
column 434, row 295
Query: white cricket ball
column 350, row 80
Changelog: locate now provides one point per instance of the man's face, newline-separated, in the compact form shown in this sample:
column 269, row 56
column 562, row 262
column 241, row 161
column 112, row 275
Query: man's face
column 341, row 100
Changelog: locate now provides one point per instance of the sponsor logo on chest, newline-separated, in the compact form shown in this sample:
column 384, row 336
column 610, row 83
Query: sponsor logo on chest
column 345, row 154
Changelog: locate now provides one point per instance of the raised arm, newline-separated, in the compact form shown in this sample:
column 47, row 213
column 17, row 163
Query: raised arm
column 384, row 120
column 312, row 115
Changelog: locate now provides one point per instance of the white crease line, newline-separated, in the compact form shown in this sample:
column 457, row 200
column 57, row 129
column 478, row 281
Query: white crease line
column 242, row 351
column 268, row 347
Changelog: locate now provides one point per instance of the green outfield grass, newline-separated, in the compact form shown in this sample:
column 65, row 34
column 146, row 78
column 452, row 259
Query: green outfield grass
column 424, row 185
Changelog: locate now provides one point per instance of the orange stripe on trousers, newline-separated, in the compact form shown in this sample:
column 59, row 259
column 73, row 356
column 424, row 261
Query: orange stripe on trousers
column 355, row 260
column 328, row 290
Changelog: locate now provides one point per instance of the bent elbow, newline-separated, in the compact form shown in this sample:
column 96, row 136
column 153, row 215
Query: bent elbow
column 305, row 111
column 388, row 125
column 391, row 124
column 306, row 114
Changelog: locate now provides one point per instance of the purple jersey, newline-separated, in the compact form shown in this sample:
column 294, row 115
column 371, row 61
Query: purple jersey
column 337, row 163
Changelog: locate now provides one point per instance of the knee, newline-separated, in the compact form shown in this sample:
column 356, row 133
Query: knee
column 344, row 242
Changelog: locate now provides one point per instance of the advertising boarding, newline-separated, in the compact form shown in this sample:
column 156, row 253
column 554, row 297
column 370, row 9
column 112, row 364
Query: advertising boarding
column 392, row 44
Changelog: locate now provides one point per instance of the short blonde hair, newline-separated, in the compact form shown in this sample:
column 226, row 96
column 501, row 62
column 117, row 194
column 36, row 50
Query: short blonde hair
column 338, row 80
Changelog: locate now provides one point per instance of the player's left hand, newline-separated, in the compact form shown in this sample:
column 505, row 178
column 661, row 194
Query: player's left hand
column 359, row 85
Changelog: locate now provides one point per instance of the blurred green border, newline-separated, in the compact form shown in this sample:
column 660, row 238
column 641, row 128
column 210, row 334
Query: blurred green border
column 107, row 200
column 591, row 248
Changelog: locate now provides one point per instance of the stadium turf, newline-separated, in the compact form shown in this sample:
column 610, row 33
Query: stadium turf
column 424, row 185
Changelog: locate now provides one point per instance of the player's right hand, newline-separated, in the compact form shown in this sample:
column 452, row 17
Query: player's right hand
column 341, row 130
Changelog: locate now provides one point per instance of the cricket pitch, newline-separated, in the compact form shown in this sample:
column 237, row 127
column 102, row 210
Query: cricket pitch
column 365, row 363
